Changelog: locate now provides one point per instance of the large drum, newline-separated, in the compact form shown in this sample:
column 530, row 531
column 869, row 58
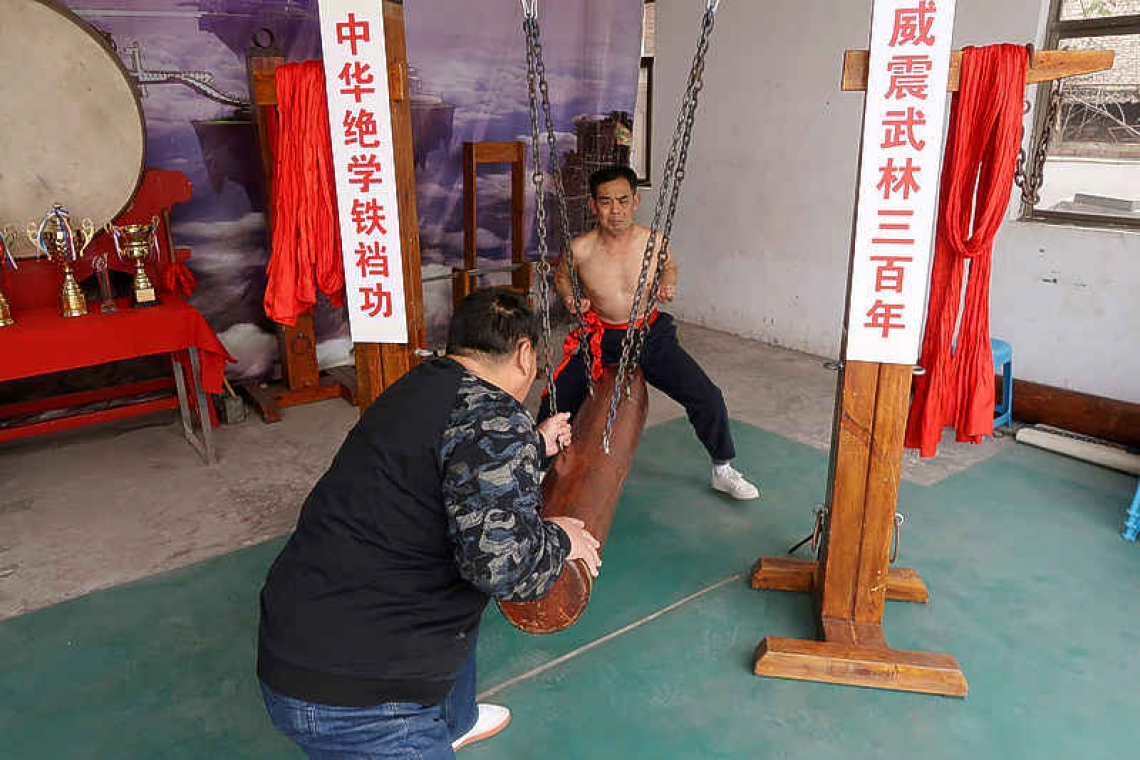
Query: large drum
column 70, row 119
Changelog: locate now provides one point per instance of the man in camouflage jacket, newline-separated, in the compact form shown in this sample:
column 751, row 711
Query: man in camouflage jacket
column 370, row 613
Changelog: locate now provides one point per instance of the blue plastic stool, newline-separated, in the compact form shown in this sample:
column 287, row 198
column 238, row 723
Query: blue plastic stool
column 1132, row 524
column 1003, row 357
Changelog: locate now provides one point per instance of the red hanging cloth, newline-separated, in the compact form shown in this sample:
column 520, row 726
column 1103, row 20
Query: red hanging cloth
column 305, row 247
column 177, row 279
column 981, row 156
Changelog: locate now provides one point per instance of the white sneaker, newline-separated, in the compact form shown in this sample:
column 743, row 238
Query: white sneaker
column 492, row 719
column 733, row 483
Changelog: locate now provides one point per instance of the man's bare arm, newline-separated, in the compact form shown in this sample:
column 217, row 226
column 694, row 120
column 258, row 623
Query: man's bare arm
column 562, row 281
column 667, row 287
column 565, row 286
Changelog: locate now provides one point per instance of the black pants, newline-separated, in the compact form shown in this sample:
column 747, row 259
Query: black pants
column 667, row 367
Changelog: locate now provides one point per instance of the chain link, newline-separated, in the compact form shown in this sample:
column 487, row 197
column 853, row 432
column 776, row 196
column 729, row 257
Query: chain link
column 555, row 169
column 530, row 29
column 674, row 174
column 539, row 92
column 1030, row 183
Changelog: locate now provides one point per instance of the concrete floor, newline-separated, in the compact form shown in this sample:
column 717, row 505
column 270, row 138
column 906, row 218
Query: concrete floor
column 96, row 507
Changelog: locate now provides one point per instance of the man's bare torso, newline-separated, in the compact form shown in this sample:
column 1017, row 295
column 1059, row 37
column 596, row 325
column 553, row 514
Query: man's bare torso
column 608, row 270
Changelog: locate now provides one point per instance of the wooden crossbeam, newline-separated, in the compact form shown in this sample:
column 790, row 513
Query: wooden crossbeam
column 787, row 574
column 1045, row 66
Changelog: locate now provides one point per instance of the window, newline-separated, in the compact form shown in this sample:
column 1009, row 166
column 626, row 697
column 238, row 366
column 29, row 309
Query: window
column 1092, row 172
column 643, row 113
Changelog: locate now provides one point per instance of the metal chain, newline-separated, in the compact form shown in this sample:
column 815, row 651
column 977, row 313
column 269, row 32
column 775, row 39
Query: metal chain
column 555, row 169
column 530, row 29
column 1030, row 183
column 697, row 85
column 672, row 177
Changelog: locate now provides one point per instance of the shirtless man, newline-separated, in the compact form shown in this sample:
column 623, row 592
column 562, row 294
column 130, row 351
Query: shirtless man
column 608, row 260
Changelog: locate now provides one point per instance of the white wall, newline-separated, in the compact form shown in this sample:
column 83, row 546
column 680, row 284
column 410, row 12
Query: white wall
column 764, row 228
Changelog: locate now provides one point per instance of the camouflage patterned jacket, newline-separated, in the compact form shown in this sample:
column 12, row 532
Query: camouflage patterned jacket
column 491, row 454
column 430, row 506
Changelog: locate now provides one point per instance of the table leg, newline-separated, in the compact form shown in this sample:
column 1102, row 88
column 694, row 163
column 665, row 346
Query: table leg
column 204, row 446
column 203, row 405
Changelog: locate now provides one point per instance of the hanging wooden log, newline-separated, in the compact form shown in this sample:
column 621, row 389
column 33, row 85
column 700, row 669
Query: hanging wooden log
column 585, row 483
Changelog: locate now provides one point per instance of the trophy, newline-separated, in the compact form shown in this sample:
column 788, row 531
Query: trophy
column 55, row 238
column 138, row 242
column 99, row 264
column 6, row 259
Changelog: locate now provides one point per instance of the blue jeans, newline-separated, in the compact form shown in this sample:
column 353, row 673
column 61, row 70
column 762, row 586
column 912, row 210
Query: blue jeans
column 390, row 731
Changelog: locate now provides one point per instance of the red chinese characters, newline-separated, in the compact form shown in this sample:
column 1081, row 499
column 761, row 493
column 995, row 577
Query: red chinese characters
column 356, row 76
column 886, row 316
column 368, row 217
column 913, row 25
column 360, row 128
column 372, row 259
column 361, row 133
column 377, row 301
column 901, row 174
column 353, row 32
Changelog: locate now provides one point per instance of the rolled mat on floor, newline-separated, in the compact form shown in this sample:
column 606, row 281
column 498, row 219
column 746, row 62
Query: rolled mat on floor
column 1080, row 448
column 586, row 483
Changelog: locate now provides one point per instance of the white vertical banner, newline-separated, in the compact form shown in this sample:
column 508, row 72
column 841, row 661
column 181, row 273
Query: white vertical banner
column 360, row 121
column 899, row 177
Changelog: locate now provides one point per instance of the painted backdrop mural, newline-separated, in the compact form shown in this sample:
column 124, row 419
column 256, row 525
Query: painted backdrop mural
column 468, row 82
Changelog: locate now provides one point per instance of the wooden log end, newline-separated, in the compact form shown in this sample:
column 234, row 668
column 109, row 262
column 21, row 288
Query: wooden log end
column 559, row 609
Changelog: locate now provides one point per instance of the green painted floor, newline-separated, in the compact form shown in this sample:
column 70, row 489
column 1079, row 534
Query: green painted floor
column 1032, row 589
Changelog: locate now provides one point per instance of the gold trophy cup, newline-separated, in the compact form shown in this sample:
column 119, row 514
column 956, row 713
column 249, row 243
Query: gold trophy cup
column 55, row 238
column 137, row 242
column 7, row 238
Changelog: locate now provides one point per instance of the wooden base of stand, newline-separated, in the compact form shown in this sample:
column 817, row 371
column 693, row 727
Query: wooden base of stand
column 780, row 574
column 877, row 667
column 854, row 654
column 270, row 399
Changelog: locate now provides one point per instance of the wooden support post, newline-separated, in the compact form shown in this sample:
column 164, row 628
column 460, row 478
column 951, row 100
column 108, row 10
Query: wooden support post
column 521, row 277
column 379, row 365
column 853, row 578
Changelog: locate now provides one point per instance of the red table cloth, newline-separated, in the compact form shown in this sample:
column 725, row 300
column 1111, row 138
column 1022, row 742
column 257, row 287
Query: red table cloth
column 42, row 341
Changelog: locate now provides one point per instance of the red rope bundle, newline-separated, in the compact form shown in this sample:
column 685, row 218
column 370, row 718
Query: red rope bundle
column 306, row 240
column 981, row 156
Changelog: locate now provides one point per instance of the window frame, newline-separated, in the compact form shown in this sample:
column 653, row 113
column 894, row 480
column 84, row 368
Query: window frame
column 646, row 64
column 1056, row 30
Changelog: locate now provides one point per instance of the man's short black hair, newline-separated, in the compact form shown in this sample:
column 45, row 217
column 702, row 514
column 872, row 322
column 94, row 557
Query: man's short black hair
column 609, row 174
column 491, row 322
